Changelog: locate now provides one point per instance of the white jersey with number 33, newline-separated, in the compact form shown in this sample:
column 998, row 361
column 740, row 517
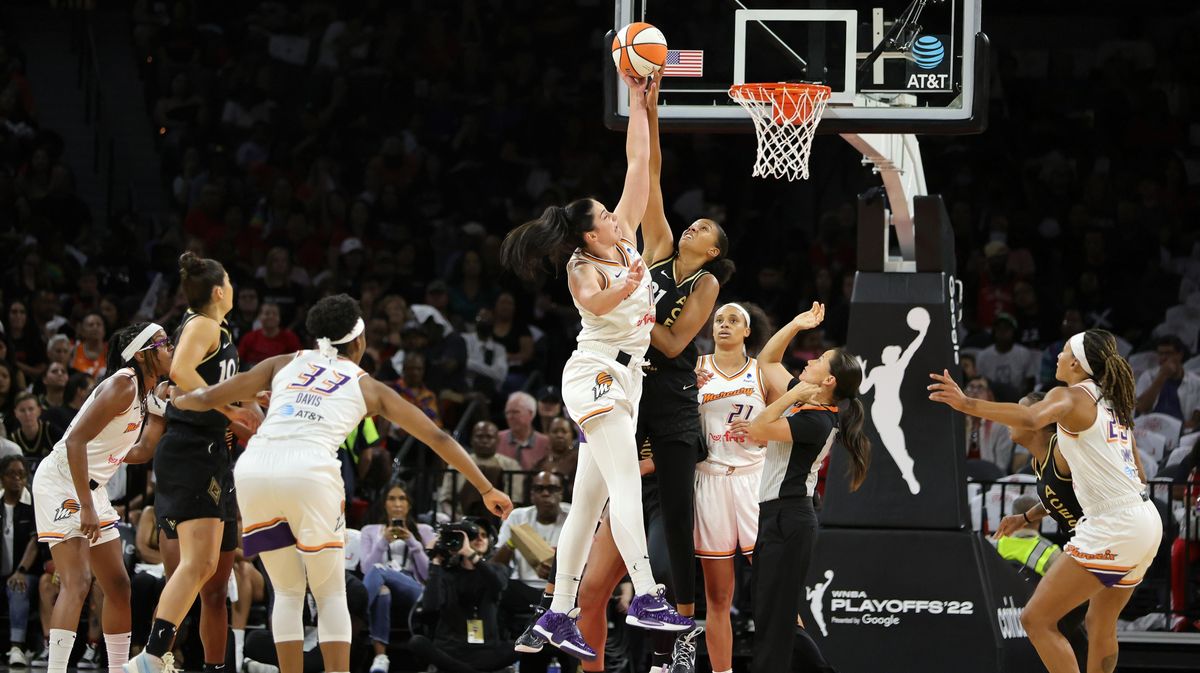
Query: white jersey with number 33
column 727, row 397
column 314, row 400
column 626, row 327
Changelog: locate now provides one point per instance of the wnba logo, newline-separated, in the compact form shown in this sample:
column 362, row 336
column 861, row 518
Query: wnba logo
column 604, row 382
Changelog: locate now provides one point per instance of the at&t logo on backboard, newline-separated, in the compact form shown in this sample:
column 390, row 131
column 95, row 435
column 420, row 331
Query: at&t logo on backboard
column 928, row 68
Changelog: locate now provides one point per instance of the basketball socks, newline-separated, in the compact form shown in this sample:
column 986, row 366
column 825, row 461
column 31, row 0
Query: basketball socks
column 642, row 576
column 239, row 643
column 566, row 587
column 547, row 599
column 214, row 668
column 664, row 645
column 117, row 645
column 62, row 642
column 162, row 634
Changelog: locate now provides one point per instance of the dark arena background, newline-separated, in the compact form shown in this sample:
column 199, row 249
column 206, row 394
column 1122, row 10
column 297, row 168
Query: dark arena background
column 1040, row 177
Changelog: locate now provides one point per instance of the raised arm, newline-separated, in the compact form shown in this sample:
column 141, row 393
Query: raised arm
column 906, row 357
column 658, row 243
column 383, row 400
column 594, row 293
column 1057, row 406
column 770, row 357
column 670, row 341
column 632, row 205
column 770, row 424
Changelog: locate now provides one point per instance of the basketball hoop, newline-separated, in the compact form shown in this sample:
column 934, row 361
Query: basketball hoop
column 785, row 118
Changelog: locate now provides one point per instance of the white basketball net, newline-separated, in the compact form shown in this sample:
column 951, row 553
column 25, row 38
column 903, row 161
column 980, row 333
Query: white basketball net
column 785, row 119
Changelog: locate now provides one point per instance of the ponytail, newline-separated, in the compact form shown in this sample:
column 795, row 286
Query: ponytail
column 721, row 267
column 554, row 235
column 848, row 374
column 1112, row 373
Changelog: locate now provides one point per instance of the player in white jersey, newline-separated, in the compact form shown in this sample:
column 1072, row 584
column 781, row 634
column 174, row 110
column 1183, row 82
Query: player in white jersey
column 602, row 380
column 120, row 422
column 289, row 481
column 1117, row 538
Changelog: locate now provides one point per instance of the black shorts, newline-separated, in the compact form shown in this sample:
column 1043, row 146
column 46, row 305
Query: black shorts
column 193, row 473
column 669, row 407
column 229, row 535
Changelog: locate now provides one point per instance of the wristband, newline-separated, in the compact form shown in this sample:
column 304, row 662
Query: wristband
column 1025, row 515
column 22, row 569
column 487, row 491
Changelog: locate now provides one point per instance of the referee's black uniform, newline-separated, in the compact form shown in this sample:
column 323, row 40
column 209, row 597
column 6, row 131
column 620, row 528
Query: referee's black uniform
column 787, row 527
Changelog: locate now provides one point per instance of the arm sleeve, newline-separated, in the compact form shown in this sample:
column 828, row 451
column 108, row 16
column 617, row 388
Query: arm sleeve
column 807, row 428
column 372, row 551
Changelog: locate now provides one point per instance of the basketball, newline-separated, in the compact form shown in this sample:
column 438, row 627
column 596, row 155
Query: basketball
column 918, row 319
column 639, row 49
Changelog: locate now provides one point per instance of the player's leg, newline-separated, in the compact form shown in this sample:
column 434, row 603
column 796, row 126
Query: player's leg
column 575, row 540
column 214, row 611
column 286, row 571
column 1066, row 585
column 718, row 597
column 108, row 564
column 1101, row 620
column 71, row 562
column 604, row 571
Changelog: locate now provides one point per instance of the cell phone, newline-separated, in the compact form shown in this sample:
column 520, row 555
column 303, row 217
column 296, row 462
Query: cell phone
column 397, row 523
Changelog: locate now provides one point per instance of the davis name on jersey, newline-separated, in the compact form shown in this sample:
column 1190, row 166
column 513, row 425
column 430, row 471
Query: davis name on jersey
column 314, row 399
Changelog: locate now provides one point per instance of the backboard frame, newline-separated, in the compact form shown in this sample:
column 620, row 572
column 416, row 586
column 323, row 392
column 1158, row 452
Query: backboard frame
column 970, row 118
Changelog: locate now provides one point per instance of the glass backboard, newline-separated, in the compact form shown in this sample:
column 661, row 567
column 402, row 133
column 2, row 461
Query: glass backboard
column 894, row 66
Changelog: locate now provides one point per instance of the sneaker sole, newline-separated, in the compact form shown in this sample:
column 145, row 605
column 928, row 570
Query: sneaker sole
column 529, row 649
column 657, row 625
column 565, row 646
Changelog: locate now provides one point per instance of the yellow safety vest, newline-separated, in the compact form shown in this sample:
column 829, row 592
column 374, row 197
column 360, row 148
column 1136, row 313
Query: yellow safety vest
column 1032, row 552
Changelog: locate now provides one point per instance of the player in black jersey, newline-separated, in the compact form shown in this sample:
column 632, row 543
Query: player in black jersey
column 787, row 523
column 194, row 499
column 1054, row 487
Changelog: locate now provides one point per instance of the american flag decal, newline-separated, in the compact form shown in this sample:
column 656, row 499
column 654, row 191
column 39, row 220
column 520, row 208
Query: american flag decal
column 684, row 63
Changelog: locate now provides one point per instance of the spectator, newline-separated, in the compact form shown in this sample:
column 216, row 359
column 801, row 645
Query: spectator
column 54, row 385
column 527, row 581
column 514, row 334
column 58, row 349
column 394, row 566
column 243, row 318
column 520, row 441
column 563, row 456
column 8, row 394
column 987, row 440
column 464, row 593
column 277, row 285
column 364, row 460
column 25, row 342
column 549, row 407
column 45, row 313
column 446, row 351
column 19, row 555
column 487, row 361
column 91, row 352
column 1006, row 362
column 268, row 340
column 1169, row 388
column 1035, row 325
column 484, row 437
column 469, row 293
column 79, row 387
column 1072, row 324
column 995, row 285
column 251, row 589
column 148, row 576
column 412, row 388
column 35, row 436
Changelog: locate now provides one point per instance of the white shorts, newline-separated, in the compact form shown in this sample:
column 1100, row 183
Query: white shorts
column 726, row 510
column 56, row 505
column 594, row 385
column 290, row 495
column 1118, row 545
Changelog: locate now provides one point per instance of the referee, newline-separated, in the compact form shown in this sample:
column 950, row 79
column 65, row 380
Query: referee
column 787, row 523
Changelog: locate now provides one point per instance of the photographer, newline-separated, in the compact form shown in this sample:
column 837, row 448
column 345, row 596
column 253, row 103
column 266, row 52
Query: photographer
column 464, row 592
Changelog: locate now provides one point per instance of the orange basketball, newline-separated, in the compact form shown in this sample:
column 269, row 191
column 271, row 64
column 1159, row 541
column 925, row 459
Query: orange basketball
column 639, row 49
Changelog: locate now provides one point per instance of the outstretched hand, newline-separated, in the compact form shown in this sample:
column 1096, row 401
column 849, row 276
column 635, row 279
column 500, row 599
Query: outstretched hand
column 497, row 503
column 634, row 280
column 810, row 318
column 946, row 391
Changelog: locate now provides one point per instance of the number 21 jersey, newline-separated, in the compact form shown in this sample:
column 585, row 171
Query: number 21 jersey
column 726, row 398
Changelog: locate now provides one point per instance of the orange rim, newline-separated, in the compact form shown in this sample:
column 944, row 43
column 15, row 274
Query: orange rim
column 792, row 103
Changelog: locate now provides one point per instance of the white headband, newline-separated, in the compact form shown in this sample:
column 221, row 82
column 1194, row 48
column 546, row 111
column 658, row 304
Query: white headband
column 140, row 341
column 1076, row 343
column 744, row 312
column 326, row 345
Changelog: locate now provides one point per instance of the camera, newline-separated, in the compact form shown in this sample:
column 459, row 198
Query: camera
column 450, row 538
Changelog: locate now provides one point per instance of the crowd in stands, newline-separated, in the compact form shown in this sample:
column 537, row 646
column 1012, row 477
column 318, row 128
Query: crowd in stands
column 384, row 149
